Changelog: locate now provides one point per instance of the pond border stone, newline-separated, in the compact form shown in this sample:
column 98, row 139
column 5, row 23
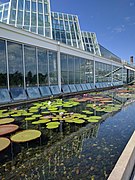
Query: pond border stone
column 125, row 164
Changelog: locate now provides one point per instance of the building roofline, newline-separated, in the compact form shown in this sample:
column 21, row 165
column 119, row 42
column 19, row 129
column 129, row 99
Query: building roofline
column 64, row 13
column 8, row 30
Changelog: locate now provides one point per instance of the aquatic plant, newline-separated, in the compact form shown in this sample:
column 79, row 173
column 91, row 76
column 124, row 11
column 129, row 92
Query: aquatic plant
column 8, row 128
column 52, row 125
column 4, row 143
column 26, row 135
column 6, row 120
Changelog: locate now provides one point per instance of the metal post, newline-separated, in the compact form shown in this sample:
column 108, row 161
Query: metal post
column 59, row 65
column 94, row 73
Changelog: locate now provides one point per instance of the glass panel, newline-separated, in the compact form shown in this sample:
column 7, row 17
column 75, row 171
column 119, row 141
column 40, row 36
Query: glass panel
column 72, row 88
column 27, row 5
column 15, row 61
column 71, row 68
column 33, row 92
column 4, row 96
column 27, row 20
column 53, row 67
column 45, row 8
column 40, row 8
column 42, row 66
column 20, row 4
column 12, row 14
column 18, row 94
column 78, row 87
column 13, row 4
column 64, row 69
column 45, row 91
column 65, row 89
column 88, row 86
column 84, row 87
column 20, row 18
column 30, row 65
column 82, row 70
column 5, row 14
column 3, row 64
column 34, row 6
column 55, row 90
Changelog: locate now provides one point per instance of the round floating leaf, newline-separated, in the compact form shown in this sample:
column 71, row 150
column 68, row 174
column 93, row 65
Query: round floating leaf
column 44, row 107
column 87, row 112
column 26, row 135
column 6, row 120
column 44, row 121
column 79, row 121
column 4, row 115
column 69, row 120
column 5, row 129
column 4, row 143
column 33, row 110
column 30, row 119
column 95, row 117
column 93, row 120
column 16, row 115
column 52, row 125
column 36, row 115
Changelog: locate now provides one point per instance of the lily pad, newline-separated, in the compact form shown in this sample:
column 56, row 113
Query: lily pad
column 79, row 121
column 8, row 128
column 16, row 115
column 36, row 115
column 95, row 117
column 52, row 125
column 26, row 135
column 93, row 120
column 30, row 119
column 4, row 143
column 6, row 120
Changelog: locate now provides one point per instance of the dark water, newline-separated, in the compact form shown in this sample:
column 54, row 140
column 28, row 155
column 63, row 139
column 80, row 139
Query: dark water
column 77, row 152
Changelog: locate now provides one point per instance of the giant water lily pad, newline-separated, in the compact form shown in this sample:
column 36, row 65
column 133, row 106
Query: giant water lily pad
column 6, row 120
column 52, row 125
column 8, row 128
column 26, row 135
column 4, row 143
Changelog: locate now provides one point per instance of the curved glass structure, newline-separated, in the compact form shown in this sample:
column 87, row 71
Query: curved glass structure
column 66, row 29
column 91, row 43
column 31, row 15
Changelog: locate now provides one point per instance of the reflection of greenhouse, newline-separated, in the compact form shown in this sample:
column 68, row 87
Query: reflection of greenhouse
column 44, row 53
column 54, row 161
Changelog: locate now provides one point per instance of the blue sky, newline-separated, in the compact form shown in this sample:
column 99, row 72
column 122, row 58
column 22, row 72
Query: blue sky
column 112, row 20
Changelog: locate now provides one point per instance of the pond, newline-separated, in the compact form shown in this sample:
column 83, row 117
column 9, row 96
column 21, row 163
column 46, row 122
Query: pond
column 80, row 146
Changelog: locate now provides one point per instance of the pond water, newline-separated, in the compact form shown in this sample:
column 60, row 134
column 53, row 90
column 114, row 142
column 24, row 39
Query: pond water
column 72, row 151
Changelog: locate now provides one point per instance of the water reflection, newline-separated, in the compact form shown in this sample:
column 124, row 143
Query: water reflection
column 56, row 160
column 72, row 151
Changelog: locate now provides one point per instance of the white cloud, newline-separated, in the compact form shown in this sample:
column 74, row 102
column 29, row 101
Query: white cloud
column 119, row 29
